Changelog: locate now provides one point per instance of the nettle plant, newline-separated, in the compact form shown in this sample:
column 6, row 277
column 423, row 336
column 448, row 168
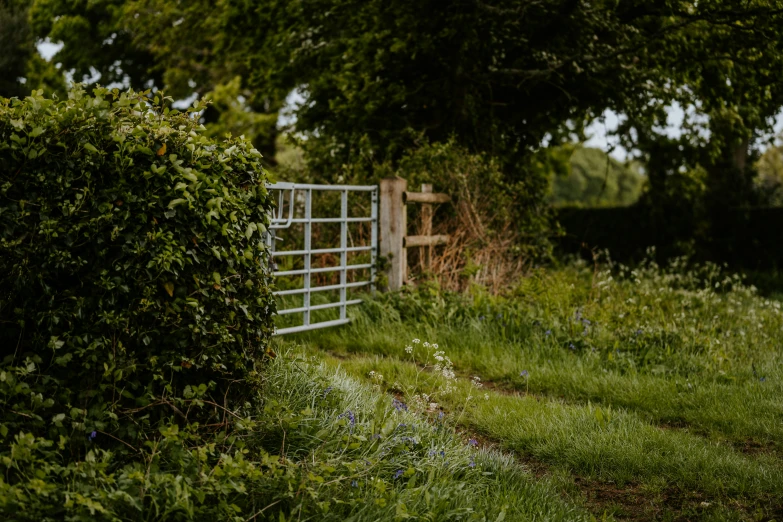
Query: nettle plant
column 133, row 281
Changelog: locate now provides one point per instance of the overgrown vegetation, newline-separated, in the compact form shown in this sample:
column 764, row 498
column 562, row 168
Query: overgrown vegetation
column 136, row 380
column 656, row 382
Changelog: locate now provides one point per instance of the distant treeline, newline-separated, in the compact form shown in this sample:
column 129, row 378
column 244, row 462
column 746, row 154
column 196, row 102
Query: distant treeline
column 744, row 238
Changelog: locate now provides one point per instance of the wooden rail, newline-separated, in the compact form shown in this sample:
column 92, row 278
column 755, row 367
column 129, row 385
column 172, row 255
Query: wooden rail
column 424, row 241
column 425, row 197
column 394, row 227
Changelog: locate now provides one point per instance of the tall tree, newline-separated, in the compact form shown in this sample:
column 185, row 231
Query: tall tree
column 173, row 45
column 18, row 47
column 501, row 75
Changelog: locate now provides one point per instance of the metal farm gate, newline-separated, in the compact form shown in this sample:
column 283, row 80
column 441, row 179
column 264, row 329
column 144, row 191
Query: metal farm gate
column 295, row 206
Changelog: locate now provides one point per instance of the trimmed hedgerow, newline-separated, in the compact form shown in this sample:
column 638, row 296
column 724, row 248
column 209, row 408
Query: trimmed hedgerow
column 133, row 286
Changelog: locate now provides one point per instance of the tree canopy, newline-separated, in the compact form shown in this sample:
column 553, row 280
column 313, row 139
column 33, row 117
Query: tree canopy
column 596, row 179
column 500, row 77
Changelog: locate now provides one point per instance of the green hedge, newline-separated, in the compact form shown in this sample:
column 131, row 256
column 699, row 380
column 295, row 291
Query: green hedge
column 745, row 239
column 133, row 286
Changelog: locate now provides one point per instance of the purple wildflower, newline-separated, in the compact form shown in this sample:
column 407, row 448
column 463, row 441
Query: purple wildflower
column 398, row 474
column 93, row 435
column 472, row 463
column 524, row 373
column 548, row 332
column 473, row 442
column 399, row 405
column 351, row 417
column 354, row 484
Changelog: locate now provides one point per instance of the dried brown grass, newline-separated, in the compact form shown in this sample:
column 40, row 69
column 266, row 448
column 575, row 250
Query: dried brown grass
column 476, row 253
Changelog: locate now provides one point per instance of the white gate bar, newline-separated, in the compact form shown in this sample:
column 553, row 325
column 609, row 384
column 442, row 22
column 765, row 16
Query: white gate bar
column 373, row 235
column 314, row 326
column 308, row 256
column 343, row 254
column 322, row 270
column 327, row 188
column 321, row 251
column 318, row 307
column 297, row 291
column 334, row 220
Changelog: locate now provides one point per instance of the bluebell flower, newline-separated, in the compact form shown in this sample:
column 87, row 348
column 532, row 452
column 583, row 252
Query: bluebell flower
column 481, row 318
column 638, row 332
column 472, row 463
column 473, row 442
column 442, row 453
column 440, row 415
column 93, row 435
column 399, row 405
column 376, row 436
column 432, row 453
column 548, row 332
column 398, row 473
column 327, row 390
column 354, row 484
column 762, row 379
column 571, row 345
column 350, row 415
column 524, row 373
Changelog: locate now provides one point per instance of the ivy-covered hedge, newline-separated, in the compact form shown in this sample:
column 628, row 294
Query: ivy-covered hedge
column 133, row 287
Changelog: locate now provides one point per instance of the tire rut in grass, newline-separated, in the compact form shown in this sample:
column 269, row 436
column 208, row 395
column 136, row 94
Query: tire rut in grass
column 630, row 501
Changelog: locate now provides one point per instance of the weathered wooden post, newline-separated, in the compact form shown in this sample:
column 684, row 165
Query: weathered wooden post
column 426, row 229
column 394, row 224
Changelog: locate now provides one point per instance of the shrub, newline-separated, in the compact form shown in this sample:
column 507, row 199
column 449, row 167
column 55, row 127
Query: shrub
column 132, row 270
column 497, row 227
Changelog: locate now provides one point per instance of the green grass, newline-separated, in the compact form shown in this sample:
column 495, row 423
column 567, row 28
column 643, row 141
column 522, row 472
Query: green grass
column 367, row 461
column 661, row 383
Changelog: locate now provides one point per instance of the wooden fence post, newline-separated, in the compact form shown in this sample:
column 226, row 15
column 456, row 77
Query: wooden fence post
column 394, row 224
column 426, row 229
